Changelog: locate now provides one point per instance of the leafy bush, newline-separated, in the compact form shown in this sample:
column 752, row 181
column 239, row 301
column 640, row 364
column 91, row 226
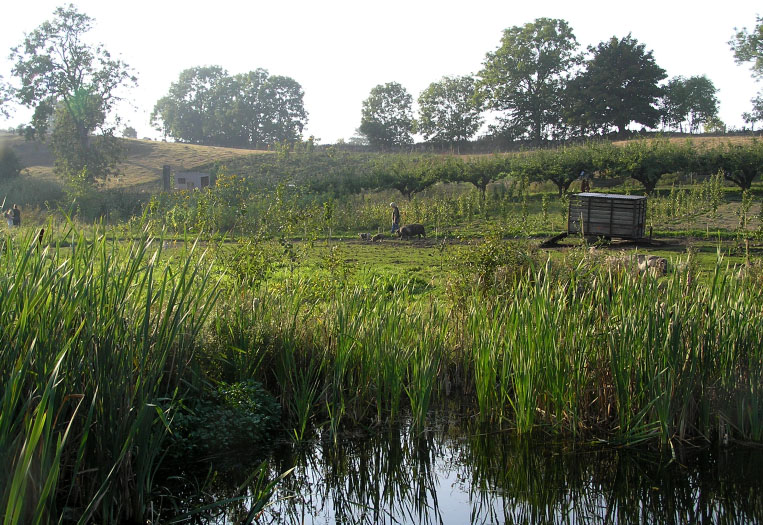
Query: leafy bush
column 494, row 265
column 10, row 165
column 233, row 416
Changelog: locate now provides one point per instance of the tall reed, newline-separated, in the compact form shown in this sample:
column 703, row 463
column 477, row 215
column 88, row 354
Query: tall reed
column 95, row 339
column 590, row 348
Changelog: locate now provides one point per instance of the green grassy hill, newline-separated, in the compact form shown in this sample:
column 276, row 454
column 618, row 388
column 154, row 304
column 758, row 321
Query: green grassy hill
column 142, row 165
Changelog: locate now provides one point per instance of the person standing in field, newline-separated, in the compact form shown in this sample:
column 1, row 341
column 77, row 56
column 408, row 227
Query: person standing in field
column 395, row 217
column 9, row 218
column 16, row 215
column 585, row 184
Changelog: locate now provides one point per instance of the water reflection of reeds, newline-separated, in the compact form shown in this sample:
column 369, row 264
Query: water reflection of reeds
column 494, row 478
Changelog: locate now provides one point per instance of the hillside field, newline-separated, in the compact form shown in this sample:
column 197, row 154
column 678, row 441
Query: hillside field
column 144, row 159
column 142, row 166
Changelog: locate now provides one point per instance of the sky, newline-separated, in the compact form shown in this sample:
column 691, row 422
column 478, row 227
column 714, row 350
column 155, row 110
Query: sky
column 339, row 50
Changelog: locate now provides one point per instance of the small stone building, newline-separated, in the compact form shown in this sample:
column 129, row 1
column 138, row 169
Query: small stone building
column 192, row 180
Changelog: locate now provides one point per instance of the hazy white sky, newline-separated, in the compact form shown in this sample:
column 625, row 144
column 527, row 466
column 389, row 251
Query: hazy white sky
column 339, row 49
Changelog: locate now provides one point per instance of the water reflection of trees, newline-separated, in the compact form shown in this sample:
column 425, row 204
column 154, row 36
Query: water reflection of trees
column 395, row 478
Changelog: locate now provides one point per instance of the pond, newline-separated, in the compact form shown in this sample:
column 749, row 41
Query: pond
column 454, row 474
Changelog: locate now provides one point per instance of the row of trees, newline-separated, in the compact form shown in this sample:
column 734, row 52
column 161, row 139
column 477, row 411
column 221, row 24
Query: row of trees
column 538, row 86
column 208, row 106
column 536, row 83
column 336, row 173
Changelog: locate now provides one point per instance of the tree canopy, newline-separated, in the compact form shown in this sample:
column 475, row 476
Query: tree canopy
column 620, row 85
column 525, row 77
column 448, row 111
column 5, row 98
column 387, row 116
column 692, row 101
column 756, row 114
column 72, row 85
column 208, row 106
column 748, row 47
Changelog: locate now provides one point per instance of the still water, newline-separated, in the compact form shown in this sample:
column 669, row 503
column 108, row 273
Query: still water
column 456, row 475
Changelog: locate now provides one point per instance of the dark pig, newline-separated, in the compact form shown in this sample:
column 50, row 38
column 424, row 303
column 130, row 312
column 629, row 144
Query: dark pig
column 409, row 230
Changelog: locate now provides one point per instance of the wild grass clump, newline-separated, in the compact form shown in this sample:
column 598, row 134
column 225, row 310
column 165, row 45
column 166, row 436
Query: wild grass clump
column 96, row 337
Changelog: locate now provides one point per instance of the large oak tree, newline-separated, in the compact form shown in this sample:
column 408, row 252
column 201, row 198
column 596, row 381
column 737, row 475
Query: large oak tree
column 620, row 85
column 524, row 79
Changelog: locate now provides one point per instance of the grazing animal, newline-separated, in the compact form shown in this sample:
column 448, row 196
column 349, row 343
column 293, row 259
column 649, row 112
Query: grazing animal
column 365, row 236
column 409, row 230
column 658, row 265
column 378, row 237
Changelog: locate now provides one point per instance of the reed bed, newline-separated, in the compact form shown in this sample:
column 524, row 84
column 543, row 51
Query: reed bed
column 95, row 337
column 595, row 353
column 101, row 339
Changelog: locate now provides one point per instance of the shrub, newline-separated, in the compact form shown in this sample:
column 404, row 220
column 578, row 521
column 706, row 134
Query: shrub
column 10, row 165
column 233, row 416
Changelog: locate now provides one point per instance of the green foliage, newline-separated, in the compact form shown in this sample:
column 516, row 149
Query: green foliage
column 387, row 118
column 525, row 77
column 276, row 197
column 208, row 106
column 411, row 174
column 448, row 111
column 481, row 171
column 740, row 164
column 96, row 340
column 748, row 47
column 618, row 86
column 6, row 95
column 561, row 166
column 130, row 132
column 691, row 100
column 744, row 210
column 83, row 159
column 74, row 86
column 756, row 114
column 10, row 164
column 239, row 416
column 248, row 262
column 648, row 161
column 493, row 265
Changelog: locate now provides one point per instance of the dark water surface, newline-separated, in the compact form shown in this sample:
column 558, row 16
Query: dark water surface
column 450, row 475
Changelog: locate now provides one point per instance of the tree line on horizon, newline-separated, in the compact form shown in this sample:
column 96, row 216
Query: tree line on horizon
column 536, row 85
